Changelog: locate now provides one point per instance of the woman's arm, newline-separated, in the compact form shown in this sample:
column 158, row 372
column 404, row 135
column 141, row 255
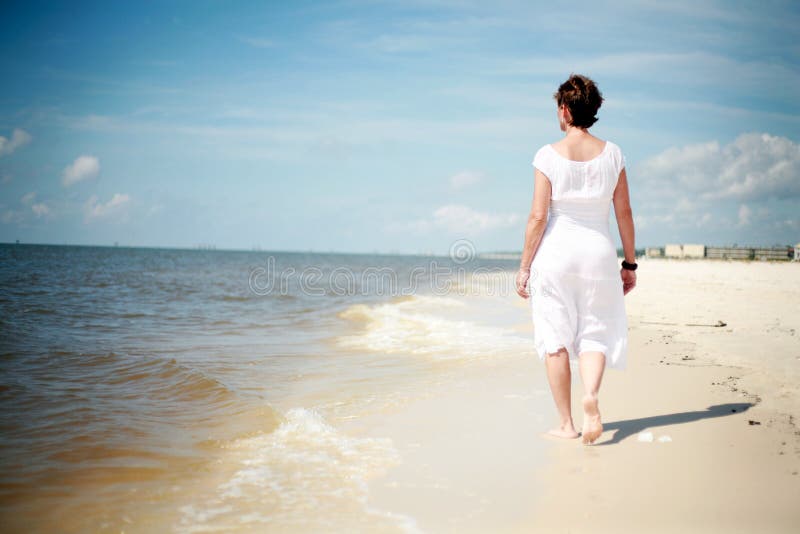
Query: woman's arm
column 537, row 222
column 624, row 214
column 622, row 209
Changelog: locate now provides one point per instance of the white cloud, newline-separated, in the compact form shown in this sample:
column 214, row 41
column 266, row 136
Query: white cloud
column 19, row 138
column 754, row 166
column 744, row 215
column 704, row 219
column 83, row 168
column 456, row 218
column 258, row 42
column 465, row 179
column 693, row 68
column 759, row 166
column 40, row 209
column 307, row 128
column 794, row 224
column 720, row 191
column 93, row 209
column 403, row 43
column 11, row 216
column 651, row 220
column 154, row 209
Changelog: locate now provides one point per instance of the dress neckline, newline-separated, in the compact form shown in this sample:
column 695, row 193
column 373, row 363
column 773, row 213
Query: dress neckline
column 605, row 147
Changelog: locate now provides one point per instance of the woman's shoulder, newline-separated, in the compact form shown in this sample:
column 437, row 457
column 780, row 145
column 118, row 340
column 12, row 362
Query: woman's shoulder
column 615, row 152
column 542, row 157
column 544, row 150
column 612, row 147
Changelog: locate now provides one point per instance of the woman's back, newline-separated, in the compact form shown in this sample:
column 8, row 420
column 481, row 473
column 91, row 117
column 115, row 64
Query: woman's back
column 592, row 179
column 577, row 240
column 584, row 148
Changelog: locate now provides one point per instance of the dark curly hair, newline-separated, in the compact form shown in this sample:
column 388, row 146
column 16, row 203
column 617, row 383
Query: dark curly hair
column 582, row 98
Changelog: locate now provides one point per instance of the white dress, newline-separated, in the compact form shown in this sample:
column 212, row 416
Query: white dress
column 577, row 299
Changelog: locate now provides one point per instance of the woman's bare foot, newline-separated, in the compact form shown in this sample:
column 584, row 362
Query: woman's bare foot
column 564, row 431
column 592, row 427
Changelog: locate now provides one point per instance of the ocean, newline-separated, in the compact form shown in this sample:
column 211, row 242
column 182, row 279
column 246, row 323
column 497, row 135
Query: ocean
column 169, row 390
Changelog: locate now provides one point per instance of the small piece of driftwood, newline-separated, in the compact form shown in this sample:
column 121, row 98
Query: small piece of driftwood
column 717, row 325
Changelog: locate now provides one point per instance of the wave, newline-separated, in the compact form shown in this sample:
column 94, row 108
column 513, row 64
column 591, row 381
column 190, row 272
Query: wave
column 110, row 383
column 169, row 380
column 304, row 464
column 426, row 325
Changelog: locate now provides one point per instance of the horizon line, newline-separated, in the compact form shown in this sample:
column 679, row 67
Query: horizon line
column 213, row 248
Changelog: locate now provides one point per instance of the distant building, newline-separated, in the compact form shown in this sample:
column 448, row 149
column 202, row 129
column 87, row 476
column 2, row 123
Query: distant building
column 773, row 253
column 694, row 251
column 729, row 253
column 776, row 253
column 673, row 250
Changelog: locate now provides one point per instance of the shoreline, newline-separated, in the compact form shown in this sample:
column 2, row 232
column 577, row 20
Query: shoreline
column 717, row 401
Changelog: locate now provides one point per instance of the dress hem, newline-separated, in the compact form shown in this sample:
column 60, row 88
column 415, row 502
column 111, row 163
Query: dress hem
column 616, row 357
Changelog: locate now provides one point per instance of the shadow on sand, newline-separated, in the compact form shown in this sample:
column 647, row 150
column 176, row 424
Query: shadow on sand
column 630, row 427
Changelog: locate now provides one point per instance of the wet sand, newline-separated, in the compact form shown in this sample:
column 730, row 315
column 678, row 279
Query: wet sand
column 700, row 431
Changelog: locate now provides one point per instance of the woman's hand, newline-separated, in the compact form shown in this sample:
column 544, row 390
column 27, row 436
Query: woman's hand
column 522, row 283
column 628, row 280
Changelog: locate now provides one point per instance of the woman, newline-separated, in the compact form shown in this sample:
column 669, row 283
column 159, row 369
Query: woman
column 576, row 290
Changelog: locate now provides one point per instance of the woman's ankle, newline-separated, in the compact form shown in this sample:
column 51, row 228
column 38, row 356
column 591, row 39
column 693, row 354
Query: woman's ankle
column 567, row 425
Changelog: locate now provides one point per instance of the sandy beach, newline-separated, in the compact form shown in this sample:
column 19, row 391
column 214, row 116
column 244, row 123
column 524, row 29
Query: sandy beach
column 700, row 431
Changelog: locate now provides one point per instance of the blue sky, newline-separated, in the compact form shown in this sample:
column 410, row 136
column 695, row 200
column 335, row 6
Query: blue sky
column 386, row 126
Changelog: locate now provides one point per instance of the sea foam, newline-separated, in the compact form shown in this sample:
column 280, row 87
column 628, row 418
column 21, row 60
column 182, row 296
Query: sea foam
column 428, row 325
column 305, row 464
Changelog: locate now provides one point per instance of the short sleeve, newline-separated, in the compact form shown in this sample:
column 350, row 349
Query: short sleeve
column 542, row 161
column 620, row 158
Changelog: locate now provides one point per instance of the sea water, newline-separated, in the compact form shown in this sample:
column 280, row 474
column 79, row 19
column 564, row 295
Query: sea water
column 150, row 390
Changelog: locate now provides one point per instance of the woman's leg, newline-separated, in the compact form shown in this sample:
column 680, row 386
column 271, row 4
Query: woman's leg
column 560, row 378
column 592, row 365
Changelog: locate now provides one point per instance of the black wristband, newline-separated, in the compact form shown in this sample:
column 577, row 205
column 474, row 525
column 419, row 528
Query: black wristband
column 629, row 266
